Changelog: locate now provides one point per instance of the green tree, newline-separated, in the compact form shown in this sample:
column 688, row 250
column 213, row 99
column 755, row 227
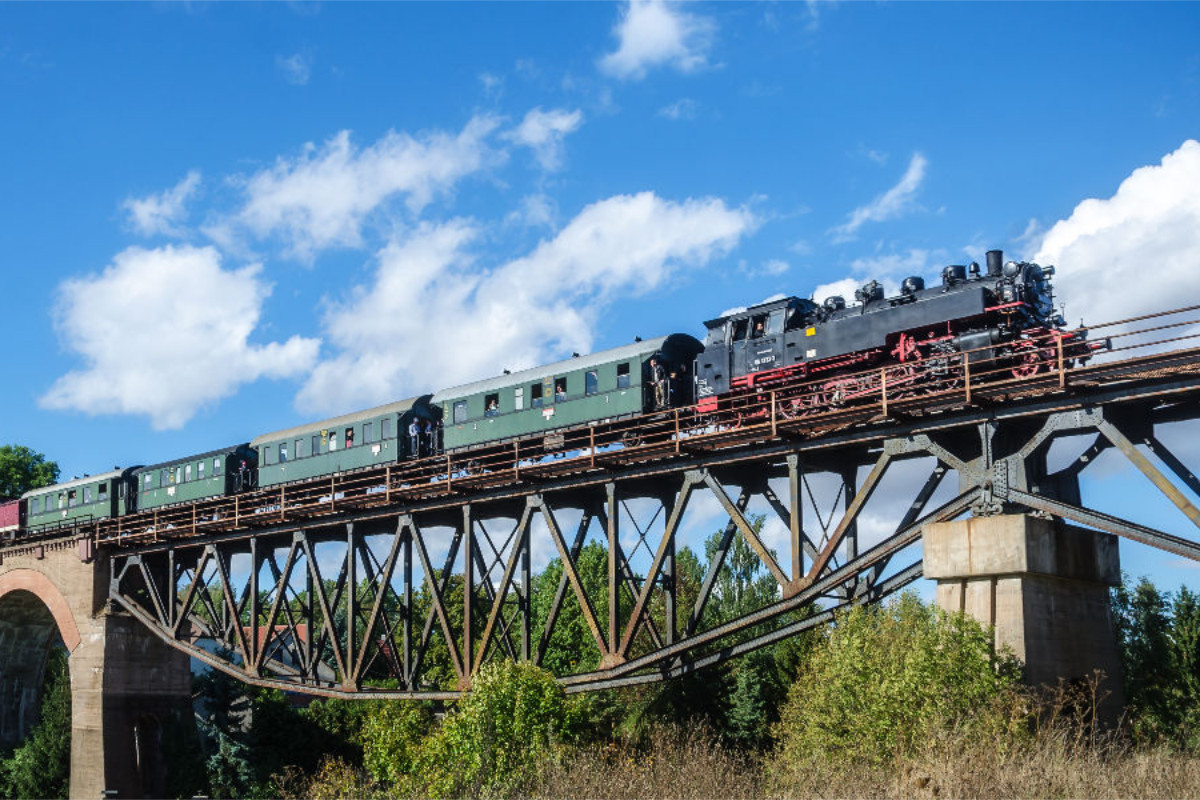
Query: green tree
column 22, row 469
column 392, row 735
column 41, row 766
column 514, row 718
column 884, row 679
column 1143, row 627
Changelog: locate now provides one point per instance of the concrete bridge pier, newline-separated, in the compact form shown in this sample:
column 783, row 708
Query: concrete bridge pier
column 1044, row 588
column 126, row 684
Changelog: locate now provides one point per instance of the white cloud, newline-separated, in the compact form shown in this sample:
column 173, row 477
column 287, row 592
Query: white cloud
column 543, row 132
column 844, row 288
column 653, row 33
column 527, row 311
column 160, row 214
column 892, row 267
column 535, row 211
column 890, row 204
column 296, row 68
column 322, row 197
column 1135, row 252
column 888, row 269
column 772, row 268
column 684, row 108
column 164, row 333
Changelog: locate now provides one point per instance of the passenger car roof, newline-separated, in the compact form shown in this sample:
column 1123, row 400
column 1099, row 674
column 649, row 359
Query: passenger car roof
column 557, row 368
column 398, row 407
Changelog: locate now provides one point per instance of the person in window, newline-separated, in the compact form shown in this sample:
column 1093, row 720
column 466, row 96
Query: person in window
column 758, row 329
column 414, row 438
column 658, row 376
column 560, row 392
column 493, row 408
column 349, row 438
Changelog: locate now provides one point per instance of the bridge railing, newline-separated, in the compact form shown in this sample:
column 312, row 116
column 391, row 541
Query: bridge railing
column 806, row 406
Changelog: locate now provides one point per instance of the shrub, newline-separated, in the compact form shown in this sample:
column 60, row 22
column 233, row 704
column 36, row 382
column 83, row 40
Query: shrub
column 504, row 732
column 392, row 735
column 883, row 679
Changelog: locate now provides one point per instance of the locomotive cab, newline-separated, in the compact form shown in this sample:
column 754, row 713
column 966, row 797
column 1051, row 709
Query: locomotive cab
column 751, row 340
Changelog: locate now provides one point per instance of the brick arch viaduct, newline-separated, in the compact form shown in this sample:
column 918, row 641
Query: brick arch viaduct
column 125, row 683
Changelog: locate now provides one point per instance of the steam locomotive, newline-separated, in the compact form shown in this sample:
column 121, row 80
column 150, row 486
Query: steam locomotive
column 1001, row 313
column 997, row 316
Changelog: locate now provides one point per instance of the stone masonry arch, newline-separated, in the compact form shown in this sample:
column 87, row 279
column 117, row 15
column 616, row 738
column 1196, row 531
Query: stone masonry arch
column 121, row 673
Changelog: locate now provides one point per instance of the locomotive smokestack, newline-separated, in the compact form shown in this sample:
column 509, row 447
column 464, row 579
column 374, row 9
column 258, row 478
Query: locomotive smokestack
column 995, row 262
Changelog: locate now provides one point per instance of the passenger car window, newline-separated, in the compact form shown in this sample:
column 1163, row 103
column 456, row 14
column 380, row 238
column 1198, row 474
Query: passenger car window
column 535, row 396
column 623, row 375
column 591, row 382
column 216, row 467
column 460, row 411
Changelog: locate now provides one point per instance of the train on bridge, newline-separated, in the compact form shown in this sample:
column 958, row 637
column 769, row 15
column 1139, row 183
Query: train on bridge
column 1001, row 314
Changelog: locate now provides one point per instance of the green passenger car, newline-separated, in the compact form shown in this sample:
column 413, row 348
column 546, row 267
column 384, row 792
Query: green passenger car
column 342, row 444
column 595, row 388
column 77, row 501
column 217, row 473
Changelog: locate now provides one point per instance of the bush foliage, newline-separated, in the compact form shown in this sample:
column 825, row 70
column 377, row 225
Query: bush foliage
column 883, row 679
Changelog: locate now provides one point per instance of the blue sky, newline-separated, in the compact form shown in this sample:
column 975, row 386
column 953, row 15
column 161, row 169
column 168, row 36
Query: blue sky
column 223, row 219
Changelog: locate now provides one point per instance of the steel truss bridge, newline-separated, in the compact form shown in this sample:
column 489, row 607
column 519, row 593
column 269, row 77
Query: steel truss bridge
column 402, row 581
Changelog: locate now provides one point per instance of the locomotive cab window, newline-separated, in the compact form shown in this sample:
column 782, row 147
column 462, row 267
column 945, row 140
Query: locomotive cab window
column 623, row 375
column 775, row 322
column 740, row 327
column 758, row 326
column 535, row 396
column 591, row 382
column 491, row 404
column 716, row 335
